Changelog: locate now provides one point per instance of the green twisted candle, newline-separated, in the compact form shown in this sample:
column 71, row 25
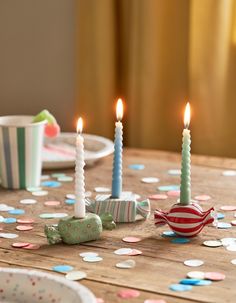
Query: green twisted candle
column 185, row 187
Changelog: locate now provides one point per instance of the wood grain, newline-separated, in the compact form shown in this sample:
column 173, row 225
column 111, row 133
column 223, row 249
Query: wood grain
column 162, row 261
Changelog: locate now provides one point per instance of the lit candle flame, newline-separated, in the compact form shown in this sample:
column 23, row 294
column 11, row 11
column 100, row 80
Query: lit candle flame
column 119, row 109
column 80, row 125
column 187, row 116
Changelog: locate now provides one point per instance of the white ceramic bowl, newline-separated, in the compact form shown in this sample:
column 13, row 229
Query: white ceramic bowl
column 31, row 286
column 60, row 152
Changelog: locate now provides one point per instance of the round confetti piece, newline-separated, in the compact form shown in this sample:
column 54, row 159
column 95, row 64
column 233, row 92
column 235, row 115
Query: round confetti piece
column 168, row 233
column 127, row 264
column 180, row 287
column 229, row 173
column 53, row 184
column 168, row 187
column 202, row 198
column 193, row 262
column 123, row 251
column 196, row 275
column 137, row 166
column 75, row 275
column 62, row 268
column 60, row 215
column 220, row 216
column 25, row 221
column 40, row 193
column 46, row 216
column 173, row 193
column 24, row 227
column 214, row 276
column 19, row 244
column 70, row 201
column 174, row 172
column 128, row 293
column 180, row 240
column 223, row 225
column 150, row 180
column 135, row 252
column 154, row 301
column 189, row 281
column 231, row 247
column 28, row 201
column 212, row 243
column 4, row 207
column 52, row 203
column 203, row 283
column 8, row 236
column 70, row 196
column 16, row 211
column 45, row 177
column 233, row 261
column 2, row 219
column 9, row 220
column 65, row 179
column 99, row 300
column 131, row 239
column 158, row 197
column 233, row 222
column 102, row 189
column 91, row 259
column 58, row 175
column 228, row 241
column 88, row 254
column 32, row 246
column 34, row 189
column 228, row 207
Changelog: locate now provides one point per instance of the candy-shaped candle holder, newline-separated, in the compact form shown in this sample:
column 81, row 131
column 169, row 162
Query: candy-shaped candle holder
column 124, row 209
column 186, row 220
column 72, row 230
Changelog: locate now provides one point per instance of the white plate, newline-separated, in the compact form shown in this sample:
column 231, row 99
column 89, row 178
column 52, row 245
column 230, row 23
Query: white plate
column 60, row 152
column 22, row 285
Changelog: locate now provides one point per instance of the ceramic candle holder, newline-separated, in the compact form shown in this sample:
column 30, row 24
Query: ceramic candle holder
column 186, row 220
column 71, row 230
column 126, row 209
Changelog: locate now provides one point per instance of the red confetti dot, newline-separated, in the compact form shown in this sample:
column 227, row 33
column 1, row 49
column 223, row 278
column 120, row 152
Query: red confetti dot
column 128, row 293
column 25, row 221
column 24, row 227
column 131, row 239
column 32, row 246
column 20, row 244
column 158, row 197
column 52, row 130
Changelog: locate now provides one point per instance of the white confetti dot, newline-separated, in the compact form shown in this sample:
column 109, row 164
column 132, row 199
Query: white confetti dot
column 150, row 180
column 212, row 243
column 231, row 247
column 123, row 251
column 228, row 241
column 76, row 275
column 174, row 172
column 40, row 193
column 70, row 196
column 229, row 173
column 8, row 235
column 102, row 189
column 233, row 261
column 92, row 259
column 88, row 254
column 193, row 263
column 126, row 264
column 28, row 201
column 196, row 275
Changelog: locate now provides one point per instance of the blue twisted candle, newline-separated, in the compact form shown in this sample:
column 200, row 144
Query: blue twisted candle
column 185, row 187
column 118, row 148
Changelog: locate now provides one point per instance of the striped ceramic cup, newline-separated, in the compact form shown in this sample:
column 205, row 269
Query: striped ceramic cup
column 21, row 143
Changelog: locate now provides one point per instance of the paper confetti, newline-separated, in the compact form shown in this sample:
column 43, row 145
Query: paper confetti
column 28, row 201
column 150, row 180
column 75, row 275
column 168, row 187
column 24, row 227
column 128, row 293
column 196, row 275
column 92, row 259
column 53, row 184
column 52, row 203
column 19, row 244
column 180, row 287
column 123, row 251
column 16, row 211
column 158, row 197
column 212, row 243
column 131, row 239
column 65, row 179
column 127, row 264
column 40, row 193
column 193, row 262
column 88, row 254
column 202, row 198
column 102, row 189
column 180, row 240
column 174, row 172
column 229, row 173
column 214, row 276
column 136, row 166
column 62, row 268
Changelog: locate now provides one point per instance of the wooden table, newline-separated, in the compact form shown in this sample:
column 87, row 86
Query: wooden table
column 161, row 263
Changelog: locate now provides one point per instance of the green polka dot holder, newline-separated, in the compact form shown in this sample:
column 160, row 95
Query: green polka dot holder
column 71, row 230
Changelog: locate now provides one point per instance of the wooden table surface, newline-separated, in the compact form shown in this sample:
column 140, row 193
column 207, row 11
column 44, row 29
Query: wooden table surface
column 161, row 263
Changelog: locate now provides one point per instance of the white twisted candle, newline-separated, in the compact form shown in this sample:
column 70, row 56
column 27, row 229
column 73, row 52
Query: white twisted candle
column 79, row 205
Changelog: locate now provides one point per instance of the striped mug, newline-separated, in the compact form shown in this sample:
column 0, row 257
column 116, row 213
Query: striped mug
column 21, row 143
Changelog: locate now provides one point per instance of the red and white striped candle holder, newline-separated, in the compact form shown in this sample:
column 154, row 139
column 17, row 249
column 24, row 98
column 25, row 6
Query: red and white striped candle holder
column 186, row 220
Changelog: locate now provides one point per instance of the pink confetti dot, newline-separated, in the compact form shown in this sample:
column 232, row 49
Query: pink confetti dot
column 24, row 227
column 99, row 300
column 233, row 222
column 173, row 193
column 52, row 203
column 154, row 301
column 158, row 197
column 25, row 221
column 52, row 130
column 131, row 239
column 228, row 207
column 128, row 293
column 214, row 276
column 203, row 198
column 32, row 246
column 20, row 244
column 135, row 252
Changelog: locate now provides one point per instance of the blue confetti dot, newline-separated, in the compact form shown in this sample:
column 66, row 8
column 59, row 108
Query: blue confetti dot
column 180, row 287
column 224, row 225
column 16, row 211
column 137, row 166
column 180, row 240
column 220, row 216
column 51, row 184
column 189, row 281
column 9, row 220
column 168, row 233
column 62, row 268
column 70, row 201
column 203, row 283
column 168, row 187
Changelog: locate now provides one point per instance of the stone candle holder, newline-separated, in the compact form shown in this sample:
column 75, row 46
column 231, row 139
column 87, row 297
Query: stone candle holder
column 186, row 220
column 125, row 209
column 72, row 230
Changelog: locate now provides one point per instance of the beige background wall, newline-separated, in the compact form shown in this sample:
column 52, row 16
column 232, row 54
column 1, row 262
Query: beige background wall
column 37, row 55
